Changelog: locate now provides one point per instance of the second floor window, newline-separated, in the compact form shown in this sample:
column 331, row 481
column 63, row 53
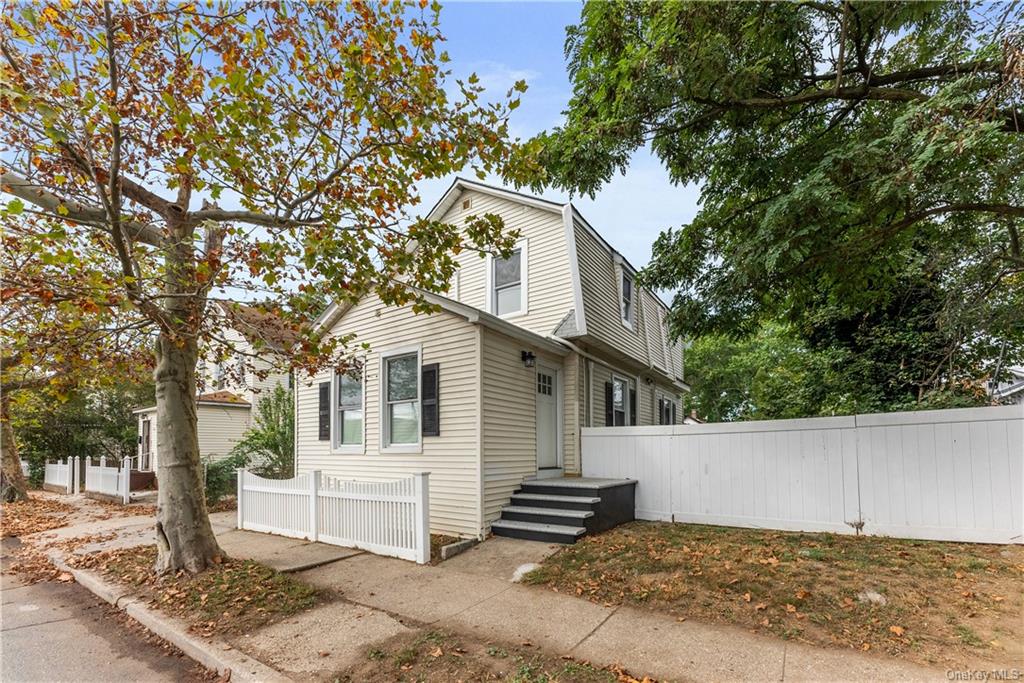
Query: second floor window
column 508, row 283
column 627, row 299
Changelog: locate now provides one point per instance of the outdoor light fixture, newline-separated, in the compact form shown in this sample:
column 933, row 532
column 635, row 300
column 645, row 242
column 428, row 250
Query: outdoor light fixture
column 528, row 359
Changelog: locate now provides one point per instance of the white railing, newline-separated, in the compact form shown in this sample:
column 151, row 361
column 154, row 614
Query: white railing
column 388, row 518
column 62, row 474
column 111, row 481
column 948, row 475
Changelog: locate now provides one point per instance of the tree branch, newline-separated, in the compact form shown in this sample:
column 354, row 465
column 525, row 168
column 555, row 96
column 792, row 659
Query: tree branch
column 77, row 212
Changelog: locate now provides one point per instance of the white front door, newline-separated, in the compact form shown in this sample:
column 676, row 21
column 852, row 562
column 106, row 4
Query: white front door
column 547, row 417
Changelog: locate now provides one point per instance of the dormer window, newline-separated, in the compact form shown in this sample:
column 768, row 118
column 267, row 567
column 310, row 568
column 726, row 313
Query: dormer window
column 627, row 305
column 508, row 283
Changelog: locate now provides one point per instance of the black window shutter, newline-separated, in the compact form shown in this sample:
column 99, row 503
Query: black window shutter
column 609, row 412
column 632, row 406
column 325, row 411
column 673, row 411
column 431, row 424
column 661, row 411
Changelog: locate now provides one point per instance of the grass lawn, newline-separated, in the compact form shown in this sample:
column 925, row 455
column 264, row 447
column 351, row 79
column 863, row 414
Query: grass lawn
column 440, row 656
column 935, row 603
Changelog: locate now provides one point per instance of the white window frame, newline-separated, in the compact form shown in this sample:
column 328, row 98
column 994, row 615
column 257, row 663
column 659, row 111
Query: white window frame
column 336, row 445
column 524, row 282
column 628, row 319
column 626, row 381
column 385, row 437
column 662, row 396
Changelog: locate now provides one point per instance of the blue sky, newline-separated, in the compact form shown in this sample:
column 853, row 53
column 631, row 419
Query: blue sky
column 504, row 42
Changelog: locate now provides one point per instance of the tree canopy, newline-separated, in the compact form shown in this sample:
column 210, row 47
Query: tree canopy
column 160, row 155
column 842, row 151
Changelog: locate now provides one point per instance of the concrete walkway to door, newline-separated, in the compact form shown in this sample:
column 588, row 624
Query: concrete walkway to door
column 473, row 593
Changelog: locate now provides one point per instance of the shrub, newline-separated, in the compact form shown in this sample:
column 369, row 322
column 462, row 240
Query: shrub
column 221, row 476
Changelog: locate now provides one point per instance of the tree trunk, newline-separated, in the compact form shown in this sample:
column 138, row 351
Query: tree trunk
column 184, row 536
column 13, row 486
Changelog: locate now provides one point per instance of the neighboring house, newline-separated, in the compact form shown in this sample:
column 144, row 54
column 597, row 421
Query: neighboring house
column 228, row 389
column 1012, row 390
column 494, row 388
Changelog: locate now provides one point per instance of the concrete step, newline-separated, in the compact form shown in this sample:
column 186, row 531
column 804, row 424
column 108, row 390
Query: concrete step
column 547, row 500
column 541, row 515
column 531, row 531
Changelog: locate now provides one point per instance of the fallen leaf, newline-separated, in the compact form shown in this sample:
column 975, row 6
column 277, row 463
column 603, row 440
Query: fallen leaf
column 746, row 597
column 436, row 652
column 790, row 608
column 802, row 594
column 896, row 630
column 866, row 647
column 760, row 606
column 324, row 653
column 65, row 577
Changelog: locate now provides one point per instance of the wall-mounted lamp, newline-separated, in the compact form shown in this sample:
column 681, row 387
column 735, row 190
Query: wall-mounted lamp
column 648, row 381
column 528, row 359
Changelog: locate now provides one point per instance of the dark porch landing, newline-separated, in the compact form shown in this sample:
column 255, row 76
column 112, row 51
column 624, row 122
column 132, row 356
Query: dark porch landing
column 564, row 509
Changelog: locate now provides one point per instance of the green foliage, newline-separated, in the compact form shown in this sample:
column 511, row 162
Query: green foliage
column 270, row 442
column 844, row 152
column 92, row 423
column 221, row 476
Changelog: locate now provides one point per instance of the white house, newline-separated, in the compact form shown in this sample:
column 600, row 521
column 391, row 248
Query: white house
column 1012, row 390
column 493, row 390
column 228, row 389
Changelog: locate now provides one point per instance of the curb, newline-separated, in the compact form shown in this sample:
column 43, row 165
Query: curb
column 213, row 654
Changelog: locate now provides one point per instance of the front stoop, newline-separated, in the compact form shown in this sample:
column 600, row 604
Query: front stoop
column 563, row 510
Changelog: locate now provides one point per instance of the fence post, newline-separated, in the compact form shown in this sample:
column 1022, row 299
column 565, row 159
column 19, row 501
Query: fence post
column 421, row 487
column 239, row 482
column 73, row 475
column 314, row 505
column 125, row 480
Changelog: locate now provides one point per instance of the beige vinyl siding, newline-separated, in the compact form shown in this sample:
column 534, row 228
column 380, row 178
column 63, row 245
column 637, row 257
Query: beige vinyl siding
column 572, row 376
column 654, row 331
column 451, row 458
column 549, row 279
column 509, row 426
column 220, row 428
column 599, row 276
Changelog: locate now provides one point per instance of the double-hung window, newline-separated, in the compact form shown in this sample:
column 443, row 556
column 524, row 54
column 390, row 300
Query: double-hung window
column 401, row 405
column 620, row 401
column 666, row 411
column 507, row 276
column 348, row 421
column 627, row 304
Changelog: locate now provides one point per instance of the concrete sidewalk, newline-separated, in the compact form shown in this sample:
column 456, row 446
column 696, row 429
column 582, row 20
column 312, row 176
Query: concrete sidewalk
column 473, row 593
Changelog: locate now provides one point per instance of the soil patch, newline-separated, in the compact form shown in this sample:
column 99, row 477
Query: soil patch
column 236, row 596
column 929, row 602
column 441, row 656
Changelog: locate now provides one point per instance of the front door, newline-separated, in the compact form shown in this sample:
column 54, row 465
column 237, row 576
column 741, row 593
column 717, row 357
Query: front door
column 547, row 417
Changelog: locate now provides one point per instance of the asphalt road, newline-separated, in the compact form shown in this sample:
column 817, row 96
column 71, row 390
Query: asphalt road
column 61, row 632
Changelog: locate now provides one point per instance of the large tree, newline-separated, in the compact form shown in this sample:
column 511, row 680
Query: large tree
column 842, row 150
column 196, row 150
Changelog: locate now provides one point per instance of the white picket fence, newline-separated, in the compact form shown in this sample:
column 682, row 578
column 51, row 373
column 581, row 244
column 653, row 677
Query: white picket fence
column 388, row 517
column 951, row 475
column 24, row 467
column 62, row 474
column 111, row 481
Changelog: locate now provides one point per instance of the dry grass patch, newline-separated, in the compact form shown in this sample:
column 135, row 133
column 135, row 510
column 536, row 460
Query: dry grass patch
column 33, row 515
column 939, row 603
column 236, row 596
column 440, row 657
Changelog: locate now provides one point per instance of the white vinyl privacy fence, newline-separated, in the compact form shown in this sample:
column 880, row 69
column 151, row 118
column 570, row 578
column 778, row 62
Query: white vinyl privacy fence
column 952, row 475
column 384, row 517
